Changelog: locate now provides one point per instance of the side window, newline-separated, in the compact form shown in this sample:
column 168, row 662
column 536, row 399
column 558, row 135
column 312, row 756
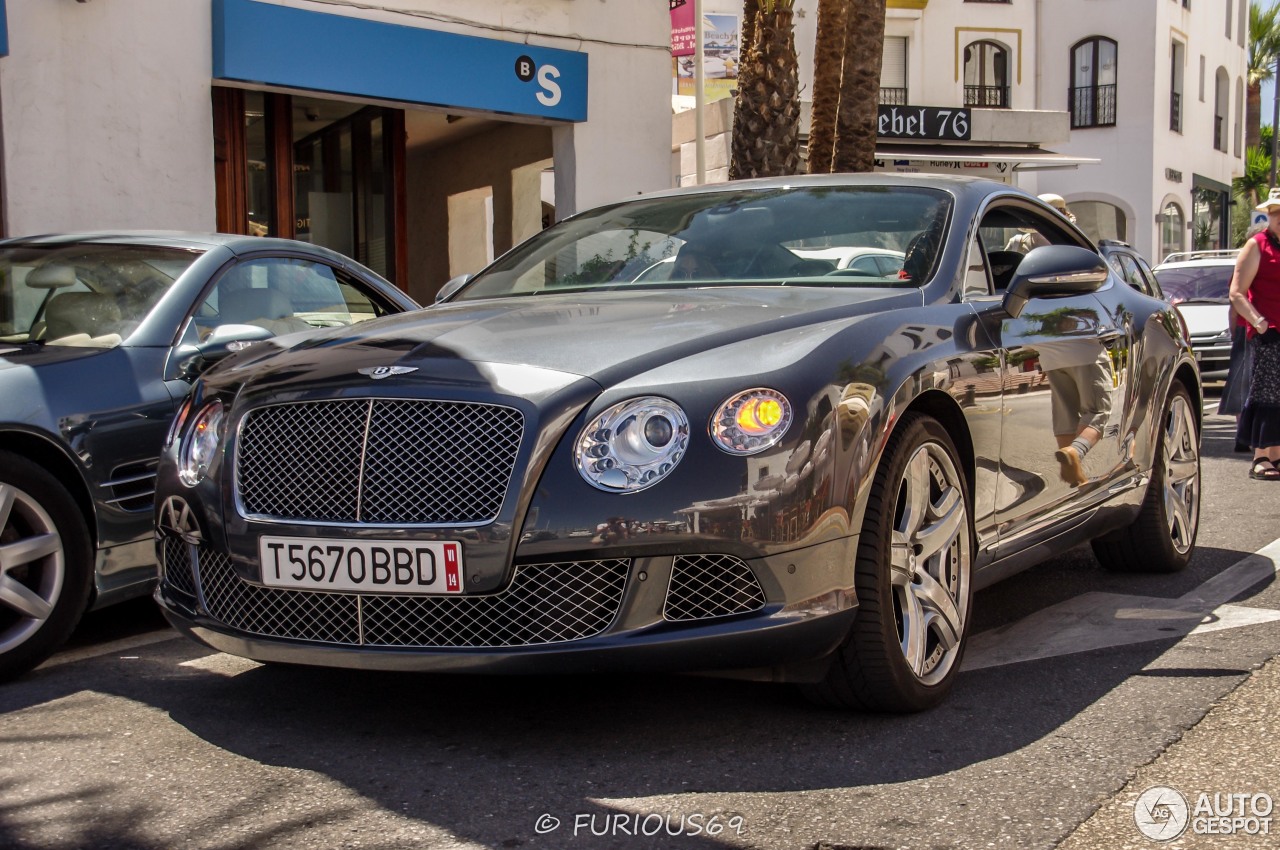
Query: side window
column 284, row 295
column 1152, row 286
column 1009, row 232
column 1128, row 270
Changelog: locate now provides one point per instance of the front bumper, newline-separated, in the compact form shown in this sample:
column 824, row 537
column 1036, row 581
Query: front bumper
column 1213, row 356
column 780, row 615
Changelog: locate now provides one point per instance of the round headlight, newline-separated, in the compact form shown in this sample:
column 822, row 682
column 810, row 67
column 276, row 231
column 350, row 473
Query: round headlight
column 201, row 443
column 751, row 421
column 632, row 445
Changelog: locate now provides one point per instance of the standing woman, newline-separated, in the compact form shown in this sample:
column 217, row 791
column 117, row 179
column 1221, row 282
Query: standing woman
column 1255, row 295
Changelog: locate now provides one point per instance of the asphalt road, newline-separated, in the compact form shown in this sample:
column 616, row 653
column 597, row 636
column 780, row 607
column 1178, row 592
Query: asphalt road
column 1082, row 689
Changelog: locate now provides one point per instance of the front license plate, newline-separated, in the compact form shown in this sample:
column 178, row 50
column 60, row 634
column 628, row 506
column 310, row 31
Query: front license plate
column 366, row 566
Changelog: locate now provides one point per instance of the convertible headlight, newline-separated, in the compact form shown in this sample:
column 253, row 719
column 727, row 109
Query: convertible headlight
column 632, row 445
column 201, row 443
column 751, row 421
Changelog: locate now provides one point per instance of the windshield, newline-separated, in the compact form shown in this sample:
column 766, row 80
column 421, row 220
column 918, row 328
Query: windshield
column 83, row 295
column 1195, row 283
column 794, row 236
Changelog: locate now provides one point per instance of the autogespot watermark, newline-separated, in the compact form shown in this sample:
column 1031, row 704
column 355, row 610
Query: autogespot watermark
column 1163, row 813
column 610, row 824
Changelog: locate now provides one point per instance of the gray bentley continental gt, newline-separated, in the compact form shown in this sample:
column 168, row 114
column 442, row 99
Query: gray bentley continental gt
column 755, row 461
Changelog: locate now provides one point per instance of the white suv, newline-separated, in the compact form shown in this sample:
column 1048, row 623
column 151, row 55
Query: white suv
column 1197, row 283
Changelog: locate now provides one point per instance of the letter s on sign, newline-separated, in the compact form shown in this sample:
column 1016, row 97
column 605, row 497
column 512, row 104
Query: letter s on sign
column 550, row 94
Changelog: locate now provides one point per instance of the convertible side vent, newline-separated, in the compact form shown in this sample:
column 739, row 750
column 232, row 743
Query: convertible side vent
column 704, row 587
column 133, row 486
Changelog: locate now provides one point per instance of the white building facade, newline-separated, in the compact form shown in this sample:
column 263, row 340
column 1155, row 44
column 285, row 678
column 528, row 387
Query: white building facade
column 1132, row 110
column 418, row 136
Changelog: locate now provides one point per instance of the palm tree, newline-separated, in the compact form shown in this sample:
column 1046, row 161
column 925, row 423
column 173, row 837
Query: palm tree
column 766, row 116
column 1252, row 185
column 860, row 86
column 1264, row 47
column 828, row 62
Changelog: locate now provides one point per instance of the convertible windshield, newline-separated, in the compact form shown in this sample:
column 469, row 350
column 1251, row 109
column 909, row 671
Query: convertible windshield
column 83, row 295
column 794, row 236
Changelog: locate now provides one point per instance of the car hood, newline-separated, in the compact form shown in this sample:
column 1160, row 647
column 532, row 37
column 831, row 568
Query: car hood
column 22, row 357
column 604, row 336
column 1204, row 319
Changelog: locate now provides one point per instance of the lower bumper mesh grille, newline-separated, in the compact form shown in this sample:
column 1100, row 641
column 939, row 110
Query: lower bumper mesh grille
column 543, row 604
column 177, row 566
column 708, row 586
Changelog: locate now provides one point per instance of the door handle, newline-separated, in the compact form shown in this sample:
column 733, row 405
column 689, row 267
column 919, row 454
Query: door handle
column 1106, row 336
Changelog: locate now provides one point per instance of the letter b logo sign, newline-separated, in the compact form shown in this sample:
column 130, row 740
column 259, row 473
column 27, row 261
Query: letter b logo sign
column 525, row 69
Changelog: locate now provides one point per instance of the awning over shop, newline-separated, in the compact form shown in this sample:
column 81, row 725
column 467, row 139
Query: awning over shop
column 974, row 158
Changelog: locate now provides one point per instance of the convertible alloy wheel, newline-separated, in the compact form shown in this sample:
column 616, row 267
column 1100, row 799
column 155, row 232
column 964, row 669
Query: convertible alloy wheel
column 44, row 565
column 914, row 560
column 1161, row 538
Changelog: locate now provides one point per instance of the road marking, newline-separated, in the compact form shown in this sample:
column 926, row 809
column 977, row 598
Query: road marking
column 121, row 645
column 1102, row 620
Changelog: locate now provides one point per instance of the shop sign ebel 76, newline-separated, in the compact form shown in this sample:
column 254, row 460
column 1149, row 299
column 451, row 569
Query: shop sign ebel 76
column 923, row 122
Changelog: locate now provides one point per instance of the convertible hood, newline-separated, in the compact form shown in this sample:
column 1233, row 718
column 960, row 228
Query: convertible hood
column 606, row 336
column 29, row 356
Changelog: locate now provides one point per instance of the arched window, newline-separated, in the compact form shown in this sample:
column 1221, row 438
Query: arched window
column 986, row 75
column 1101, row 220
column 1093, row 83
column 1172, row 229
column 1221, row 98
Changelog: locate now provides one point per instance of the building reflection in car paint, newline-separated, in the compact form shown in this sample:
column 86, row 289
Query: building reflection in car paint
column 1064, row 379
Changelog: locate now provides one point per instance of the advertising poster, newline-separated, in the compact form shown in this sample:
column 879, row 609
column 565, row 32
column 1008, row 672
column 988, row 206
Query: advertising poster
column 719, row 52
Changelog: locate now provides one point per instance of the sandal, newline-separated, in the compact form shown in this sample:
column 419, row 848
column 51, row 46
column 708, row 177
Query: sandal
column 1264, row 469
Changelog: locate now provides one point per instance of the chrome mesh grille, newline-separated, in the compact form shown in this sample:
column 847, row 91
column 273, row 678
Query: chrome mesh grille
column 177, row 565
column 378, row 461
column 707, row 586
column 302, row 615
column 545, row 603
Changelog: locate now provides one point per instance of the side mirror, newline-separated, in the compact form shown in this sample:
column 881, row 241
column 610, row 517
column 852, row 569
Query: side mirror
column 452, row 286
column 222, row 341
column 1054, row 271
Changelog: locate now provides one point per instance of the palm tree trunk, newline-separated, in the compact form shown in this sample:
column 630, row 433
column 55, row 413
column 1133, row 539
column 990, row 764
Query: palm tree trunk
column 860, row 87
column 1253, row 114
column 766, row 121
column 828, row 61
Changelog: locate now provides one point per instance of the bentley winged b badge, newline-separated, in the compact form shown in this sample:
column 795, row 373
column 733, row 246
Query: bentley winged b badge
column 380, row 372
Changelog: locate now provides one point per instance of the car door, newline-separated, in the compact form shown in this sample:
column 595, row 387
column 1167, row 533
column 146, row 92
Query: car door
column 1058, row 362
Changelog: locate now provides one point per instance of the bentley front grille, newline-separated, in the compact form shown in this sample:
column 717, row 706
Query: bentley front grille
column 378, row 461
column 707, row 586
column 543, row 604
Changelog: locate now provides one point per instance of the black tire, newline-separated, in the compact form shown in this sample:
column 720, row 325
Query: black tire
column 44, row 585
column 1162, row 537
column 895, row 658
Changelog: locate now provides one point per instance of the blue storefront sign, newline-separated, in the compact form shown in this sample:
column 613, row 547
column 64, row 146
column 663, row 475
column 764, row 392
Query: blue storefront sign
column 273, row 45
column 4, row 31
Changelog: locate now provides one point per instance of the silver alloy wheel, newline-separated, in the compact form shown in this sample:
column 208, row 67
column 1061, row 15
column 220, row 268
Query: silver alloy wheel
column 1181, row 474
column 930, row 563
column 32, row 566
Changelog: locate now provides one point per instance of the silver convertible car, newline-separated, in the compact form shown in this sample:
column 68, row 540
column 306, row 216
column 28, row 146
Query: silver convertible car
column 760, row 463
